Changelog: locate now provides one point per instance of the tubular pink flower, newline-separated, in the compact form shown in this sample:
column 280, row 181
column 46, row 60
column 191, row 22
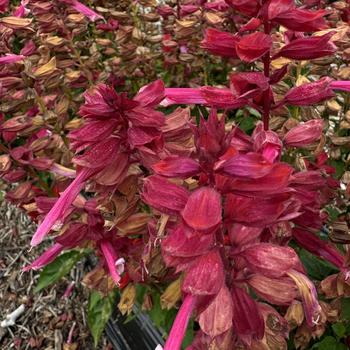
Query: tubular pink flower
column 48, row 256
column 86, row 11
column 61, row 205
column 22, row 10
column 11, row 58
column 308, row 293
column 343, row 85
column 182, row 96
column 111, row 259
column 178, row 329
column 61, row 170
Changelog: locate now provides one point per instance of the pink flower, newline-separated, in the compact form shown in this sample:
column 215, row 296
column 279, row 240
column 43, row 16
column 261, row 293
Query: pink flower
column 22, row 10
column 11, row 58
column 48, row 256
column 308, row 294
column 61, row 205
column 4, row 5
column 81, row 8
column 178, row 329
column 111, row 259
column 340, row 85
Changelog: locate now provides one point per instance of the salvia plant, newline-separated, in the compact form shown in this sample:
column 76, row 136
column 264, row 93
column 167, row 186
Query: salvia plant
column 198, row 149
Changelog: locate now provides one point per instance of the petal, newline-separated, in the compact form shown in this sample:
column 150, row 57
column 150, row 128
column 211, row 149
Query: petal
column 247, row 319
column 163, row 195
column 281, row 291
column 253, row 46
column 151, row 95
column 308, row 294
column 318, row 247
column 250, row 165
column 205, row 276
column 99, row 155
column 111, row 258
column 61, row 205
column 203, row 209
column 173, row 166
column 270, row 260
column 44, row 259
column 183, row 242
column 217, row 317
column 304, row 134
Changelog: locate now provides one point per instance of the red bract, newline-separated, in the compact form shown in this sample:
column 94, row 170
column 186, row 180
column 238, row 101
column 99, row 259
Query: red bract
column 205, row 276
column 304, row 134
column 247, row 7
column 270, row 260
column 252, row 46
column 309, row 94
column 308, row 48
column 203, row 209
column 171, row 198
column 302, row 20
column 220, row 43
column 183, row 196
column 248, row 322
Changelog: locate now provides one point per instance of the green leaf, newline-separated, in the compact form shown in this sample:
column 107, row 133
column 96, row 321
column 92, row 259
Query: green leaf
column 339, row 166
column 57, row 269
column 339, row 329
column 99, row 311
column 247, row 124
column 316, row 268
column 189, row 335
column 329, row 343
column 345, row 309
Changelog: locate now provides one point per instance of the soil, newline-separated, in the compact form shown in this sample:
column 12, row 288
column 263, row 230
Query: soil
column 49, row 321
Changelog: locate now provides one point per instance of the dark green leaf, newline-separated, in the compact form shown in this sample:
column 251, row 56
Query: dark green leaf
column 339, row 329
column 99, row 311
column 345, row 309
column 189, row 335
column 316, row 268
column 329, row 343
column 57, row 269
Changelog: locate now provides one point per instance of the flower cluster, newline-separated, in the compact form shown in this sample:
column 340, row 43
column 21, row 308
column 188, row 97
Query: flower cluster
column 212, row 210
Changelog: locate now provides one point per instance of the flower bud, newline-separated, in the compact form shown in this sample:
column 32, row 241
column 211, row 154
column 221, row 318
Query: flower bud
column 127, row 299
column 304, row 134
column 171, row 295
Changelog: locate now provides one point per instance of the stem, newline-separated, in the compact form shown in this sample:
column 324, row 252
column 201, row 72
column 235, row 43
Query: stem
column 178, row 9
column 266, row 96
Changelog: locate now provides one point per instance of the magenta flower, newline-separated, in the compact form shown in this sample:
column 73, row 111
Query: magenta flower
column 111, row 260
column 48, row 256
column 4, row 5
column 178, row 329
column 61, row 205
column 308, row 294
column 11, row 58
column 81, row 8
column 108, row 138
column 343, row 85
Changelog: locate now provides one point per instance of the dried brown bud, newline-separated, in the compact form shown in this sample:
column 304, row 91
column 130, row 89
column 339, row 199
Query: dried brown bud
column 295, row 315
column 171, row 295
column 127, row 299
